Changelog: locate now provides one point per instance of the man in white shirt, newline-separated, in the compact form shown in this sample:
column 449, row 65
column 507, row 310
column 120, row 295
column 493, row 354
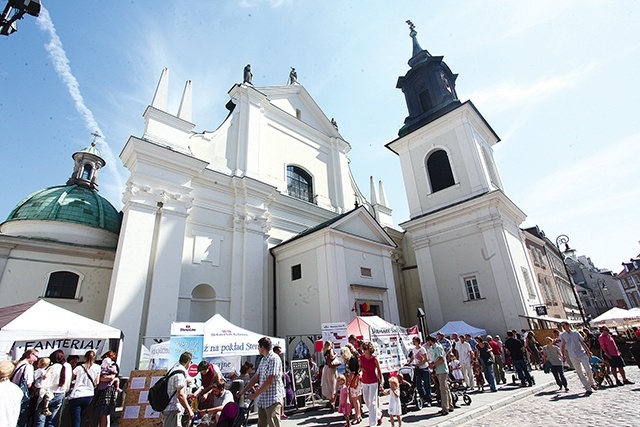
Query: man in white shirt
column 221, row 396
column 176, row 389
column 465, row 355
column 579, row 354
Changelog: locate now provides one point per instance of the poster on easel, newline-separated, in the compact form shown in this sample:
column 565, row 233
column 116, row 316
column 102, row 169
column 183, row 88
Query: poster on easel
column 301, row 373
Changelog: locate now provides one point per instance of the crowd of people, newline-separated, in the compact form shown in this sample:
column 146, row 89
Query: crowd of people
column 32, row 391
column 442, row 363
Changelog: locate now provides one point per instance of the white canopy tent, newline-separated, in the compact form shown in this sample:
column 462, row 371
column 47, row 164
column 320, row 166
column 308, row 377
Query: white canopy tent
column 47, row 327
column 361, row 325
column 461, row 327
column 617, row 317
column 223, row 338
column 223, row 343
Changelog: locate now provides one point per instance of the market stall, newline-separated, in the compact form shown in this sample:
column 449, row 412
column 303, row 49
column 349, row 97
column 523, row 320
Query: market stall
column 461, row 327
column 47, row 327
column 392, row 342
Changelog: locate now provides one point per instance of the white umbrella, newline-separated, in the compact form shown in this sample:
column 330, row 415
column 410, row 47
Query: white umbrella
column 614, row 317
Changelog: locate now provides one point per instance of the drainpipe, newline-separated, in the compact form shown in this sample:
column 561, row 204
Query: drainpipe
column 275, row 301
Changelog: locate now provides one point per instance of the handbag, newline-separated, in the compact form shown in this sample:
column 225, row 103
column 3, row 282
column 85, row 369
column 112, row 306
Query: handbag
column 546, row 367
column 335, row 362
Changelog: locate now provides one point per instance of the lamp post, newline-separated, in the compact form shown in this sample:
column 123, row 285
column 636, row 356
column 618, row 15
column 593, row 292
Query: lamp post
column 563, row 239
column 422, row 323
column 602, row 285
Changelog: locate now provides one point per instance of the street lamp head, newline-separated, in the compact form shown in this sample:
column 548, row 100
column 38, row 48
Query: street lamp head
column 15, row 10
column 563, row 239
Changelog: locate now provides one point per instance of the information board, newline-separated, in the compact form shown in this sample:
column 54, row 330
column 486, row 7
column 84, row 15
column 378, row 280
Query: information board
column 137, row 412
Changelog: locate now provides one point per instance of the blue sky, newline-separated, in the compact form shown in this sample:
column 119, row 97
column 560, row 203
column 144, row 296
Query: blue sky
column 557, row 81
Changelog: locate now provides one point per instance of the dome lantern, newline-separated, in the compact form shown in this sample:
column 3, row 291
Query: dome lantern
column 87, row 162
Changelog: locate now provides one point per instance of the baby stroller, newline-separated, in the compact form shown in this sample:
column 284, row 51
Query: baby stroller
column 408, row 390
column 601, row 374
column 457, row 390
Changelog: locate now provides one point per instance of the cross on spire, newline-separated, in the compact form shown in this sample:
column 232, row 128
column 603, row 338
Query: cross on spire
column 411, row 26
column 95, row 135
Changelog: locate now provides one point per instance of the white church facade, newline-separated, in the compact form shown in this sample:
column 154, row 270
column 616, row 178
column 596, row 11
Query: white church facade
column 262, row 222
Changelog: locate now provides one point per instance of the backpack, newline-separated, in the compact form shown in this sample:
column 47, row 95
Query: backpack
column 159, row 393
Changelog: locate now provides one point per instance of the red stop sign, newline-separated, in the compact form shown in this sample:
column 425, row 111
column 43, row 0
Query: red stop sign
column 193, row 370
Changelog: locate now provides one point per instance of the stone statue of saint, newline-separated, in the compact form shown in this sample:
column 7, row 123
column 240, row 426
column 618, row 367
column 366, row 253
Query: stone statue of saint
column 293, row 76
column 334, row 123
column 247, row 75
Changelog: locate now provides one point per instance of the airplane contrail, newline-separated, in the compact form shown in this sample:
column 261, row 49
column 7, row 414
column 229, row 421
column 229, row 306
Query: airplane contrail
column 61, row 65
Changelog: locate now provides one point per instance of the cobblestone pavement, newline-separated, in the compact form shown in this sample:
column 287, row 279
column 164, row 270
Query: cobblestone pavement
column 606, row 407
column 515, row 406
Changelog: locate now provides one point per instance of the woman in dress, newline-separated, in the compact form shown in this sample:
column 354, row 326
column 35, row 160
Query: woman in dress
column 58, row 380
column 350, row 358
column 485, row 354
column 86, row 377
column 371, row 382
column 329, row 375
column 532, row 349
column 105, row 404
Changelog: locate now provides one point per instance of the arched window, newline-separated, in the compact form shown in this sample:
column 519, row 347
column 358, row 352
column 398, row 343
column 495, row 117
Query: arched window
column 439, row 171
column 86, row 172
column 300, row 184
column 62, row 284
column 203, row 303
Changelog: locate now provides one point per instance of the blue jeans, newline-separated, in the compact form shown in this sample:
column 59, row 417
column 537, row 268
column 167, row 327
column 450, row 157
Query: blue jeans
column 54, row 406
column 487, row 368
column 25, row 410
column 522, row 371
column 423, row 383
column 77, row 407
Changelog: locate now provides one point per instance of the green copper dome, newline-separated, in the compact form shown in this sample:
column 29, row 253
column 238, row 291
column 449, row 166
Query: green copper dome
column 69, row 203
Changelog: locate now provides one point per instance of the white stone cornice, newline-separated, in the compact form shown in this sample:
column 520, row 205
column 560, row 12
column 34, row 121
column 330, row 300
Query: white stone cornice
column 146, row 195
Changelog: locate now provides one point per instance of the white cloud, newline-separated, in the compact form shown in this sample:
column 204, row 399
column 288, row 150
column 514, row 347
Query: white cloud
column 527, row 15
column 508, row 95
column 591, row 198
column 62, row 67
column 255, row 3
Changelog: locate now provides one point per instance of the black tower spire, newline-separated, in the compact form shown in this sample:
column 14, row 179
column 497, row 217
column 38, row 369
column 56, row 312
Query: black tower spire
column 429, row 87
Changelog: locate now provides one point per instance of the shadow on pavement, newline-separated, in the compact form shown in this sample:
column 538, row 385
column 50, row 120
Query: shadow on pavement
column 569, row 396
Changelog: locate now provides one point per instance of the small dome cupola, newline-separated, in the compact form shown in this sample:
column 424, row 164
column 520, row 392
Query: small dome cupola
column 428, row 87
column 87, row 162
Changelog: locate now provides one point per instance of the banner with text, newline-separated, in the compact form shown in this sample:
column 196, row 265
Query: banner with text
column 186, row 336
column 335, row 332
column 392, row 346
column 75, row 346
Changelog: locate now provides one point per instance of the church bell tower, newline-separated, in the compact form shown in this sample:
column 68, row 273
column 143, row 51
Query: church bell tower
column 464, row 229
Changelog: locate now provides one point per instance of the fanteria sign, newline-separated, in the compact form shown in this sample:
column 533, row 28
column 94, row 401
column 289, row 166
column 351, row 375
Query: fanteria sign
column 75, row 346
